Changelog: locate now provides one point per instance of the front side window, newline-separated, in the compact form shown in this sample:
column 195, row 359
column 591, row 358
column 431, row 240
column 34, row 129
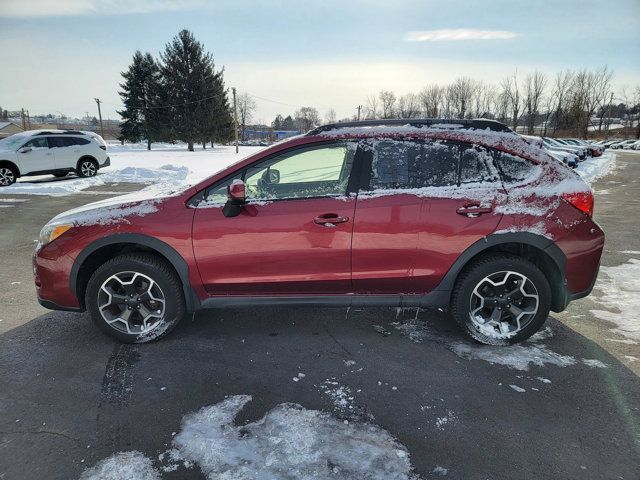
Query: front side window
column 320, row 171
column 37, row 143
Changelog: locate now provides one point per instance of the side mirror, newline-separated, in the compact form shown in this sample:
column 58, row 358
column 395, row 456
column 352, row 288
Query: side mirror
column 24, row 150
column 236, row 199
column 271, row 176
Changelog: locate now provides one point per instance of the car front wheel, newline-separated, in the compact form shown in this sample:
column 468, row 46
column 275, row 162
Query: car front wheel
column 501, row 299
column 135, row 298
column 7, row 176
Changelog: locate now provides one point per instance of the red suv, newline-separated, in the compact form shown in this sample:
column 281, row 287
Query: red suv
column 462, row 214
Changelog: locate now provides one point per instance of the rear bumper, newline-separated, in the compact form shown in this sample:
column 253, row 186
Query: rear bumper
column 106, row 163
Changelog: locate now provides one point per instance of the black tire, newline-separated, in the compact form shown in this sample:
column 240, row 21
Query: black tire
column 472, row 275
column 8, row 175
column 60, row 174
column 152, row 267
column 87, row 167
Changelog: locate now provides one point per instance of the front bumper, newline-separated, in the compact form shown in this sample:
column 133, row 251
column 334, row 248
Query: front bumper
column 51, row 271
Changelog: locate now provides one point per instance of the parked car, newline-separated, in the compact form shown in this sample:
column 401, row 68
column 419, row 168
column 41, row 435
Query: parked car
column 56, row 152
column 555, row 144
column 635, row 145
column 624, row 144
column 594, row 150
column 464, row 215
column 568, row 158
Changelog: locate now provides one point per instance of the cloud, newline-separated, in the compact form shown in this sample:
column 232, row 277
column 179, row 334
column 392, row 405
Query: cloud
column 57, row 8
column 454, row 34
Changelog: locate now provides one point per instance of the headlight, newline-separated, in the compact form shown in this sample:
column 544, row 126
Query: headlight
column 50, row 232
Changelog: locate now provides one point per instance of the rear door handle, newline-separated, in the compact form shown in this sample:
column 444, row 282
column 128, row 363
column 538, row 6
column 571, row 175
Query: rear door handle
column 473, row 210
column 330, row 219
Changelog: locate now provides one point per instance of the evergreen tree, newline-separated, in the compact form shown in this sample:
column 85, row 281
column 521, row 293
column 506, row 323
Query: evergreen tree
column 200, row 110
column 139, row 92
column 288, row 123
column 277, row 122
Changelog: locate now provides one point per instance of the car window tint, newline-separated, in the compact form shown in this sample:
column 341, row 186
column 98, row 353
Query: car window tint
column 58, row 142
column 413, row 164
column 37, row 143
column 476, row 166
column 513, row 169
column 79, row 141
column 307, row 172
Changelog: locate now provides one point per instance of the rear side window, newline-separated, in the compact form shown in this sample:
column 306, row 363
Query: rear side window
column 59, row 142
column 417, row 164
column 79, row 141
column 513, row 169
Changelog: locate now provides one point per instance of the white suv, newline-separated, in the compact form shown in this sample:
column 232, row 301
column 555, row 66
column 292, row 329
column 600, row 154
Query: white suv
column 57, row 152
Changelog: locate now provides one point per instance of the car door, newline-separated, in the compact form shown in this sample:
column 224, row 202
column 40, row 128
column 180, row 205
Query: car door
column 63, row 149
column 293, row 236
column 418, row 212
column 35, row 156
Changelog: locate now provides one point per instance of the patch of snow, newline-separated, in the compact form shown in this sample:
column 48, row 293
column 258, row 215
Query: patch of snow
column 288, row 442
column 124, row 465
column 519, row 357
column 517, row 388
column 593, row 363
column 627, row 341
column 631, row 358
column 438, row 470
column 597, row 167
column 543, row 380
column 620, row 295
column 442, row 422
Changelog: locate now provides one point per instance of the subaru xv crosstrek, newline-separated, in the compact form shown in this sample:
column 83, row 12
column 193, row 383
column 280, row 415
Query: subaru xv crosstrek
column 55, row 152
column 463, row 215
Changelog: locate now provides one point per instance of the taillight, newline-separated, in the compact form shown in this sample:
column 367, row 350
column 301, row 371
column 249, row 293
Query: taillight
column 583, row 201
column 104, row 147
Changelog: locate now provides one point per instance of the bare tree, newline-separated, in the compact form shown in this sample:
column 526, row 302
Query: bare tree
column 512, row 93
column 246, row 108
column 431, row 100
column 462, row 92
column 306, row 118
column 562, row 85
column 408, row 106
column 534, row 85
column 330, row 116
column 371, row 109
column 387, row 103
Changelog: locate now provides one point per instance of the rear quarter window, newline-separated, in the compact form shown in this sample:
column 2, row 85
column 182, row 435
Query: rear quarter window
column 514, row 169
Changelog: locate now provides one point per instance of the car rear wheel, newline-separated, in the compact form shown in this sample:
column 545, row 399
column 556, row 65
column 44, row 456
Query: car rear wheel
column 501, row 300
column 7, row 176
column 87, row 168
column 135, row 298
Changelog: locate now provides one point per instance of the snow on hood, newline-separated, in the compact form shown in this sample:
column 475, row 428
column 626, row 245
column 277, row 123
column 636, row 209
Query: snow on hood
column 112, row 210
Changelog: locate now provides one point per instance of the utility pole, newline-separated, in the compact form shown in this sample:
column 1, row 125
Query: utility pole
column 235, row 117
column 100, row 117
column 28, row 120
column 24, row 120
column 359, row 107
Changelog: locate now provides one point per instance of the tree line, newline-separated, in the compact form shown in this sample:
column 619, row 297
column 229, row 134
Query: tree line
column 567, row 101
column 178, row 96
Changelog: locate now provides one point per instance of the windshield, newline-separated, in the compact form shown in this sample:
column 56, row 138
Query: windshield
column 12, row 142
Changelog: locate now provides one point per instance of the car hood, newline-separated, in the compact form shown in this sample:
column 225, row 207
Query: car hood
column 115, row 210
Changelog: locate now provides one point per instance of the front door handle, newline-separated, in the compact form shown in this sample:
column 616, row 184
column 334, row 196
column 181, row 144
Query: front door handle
column 328, row 219
column 473, row 210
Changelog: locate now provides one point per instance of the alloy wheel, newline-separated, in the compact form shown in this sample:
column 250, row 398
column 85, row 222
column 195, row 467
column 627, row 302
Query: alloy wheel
column 88, row 169
column 6, row 176
column 503, row 303
column 131, row 302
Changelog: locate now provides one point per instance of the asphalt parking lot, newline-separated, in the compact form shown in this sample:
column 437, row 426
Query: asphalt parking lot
column 565, row 405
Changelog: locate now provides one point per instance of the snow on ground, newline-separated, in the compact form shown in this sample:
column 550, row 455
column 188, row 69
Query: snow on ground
column 594, row 168
column 124, row 465
column 288, row 442
column 619, row 289
column 132, row 163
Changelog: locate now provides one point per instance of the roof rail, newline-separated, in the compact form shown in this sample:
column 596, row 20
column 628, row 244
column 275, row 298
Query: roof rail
column 476, row 123
column 64, row 132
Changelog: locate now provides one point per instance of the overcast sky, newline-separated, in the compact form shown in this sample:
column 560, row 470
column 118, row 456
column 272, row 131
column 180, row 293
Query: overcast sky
column 57, row 55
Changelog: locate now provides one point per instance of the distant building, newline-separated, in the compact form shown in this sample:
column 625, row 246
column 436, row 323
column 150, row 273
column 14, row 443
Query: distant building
column 268, row 134
column 9, row 128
